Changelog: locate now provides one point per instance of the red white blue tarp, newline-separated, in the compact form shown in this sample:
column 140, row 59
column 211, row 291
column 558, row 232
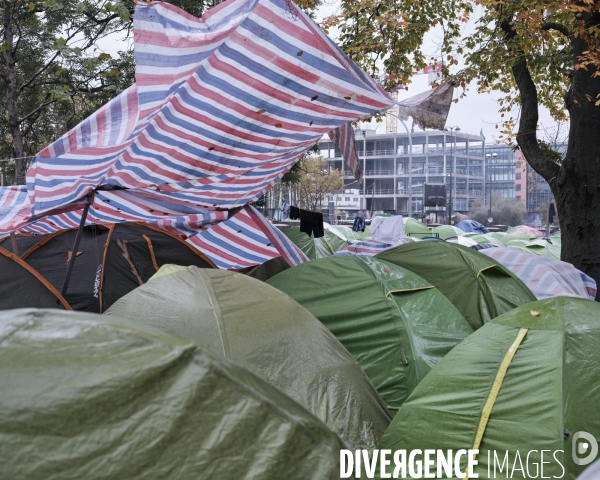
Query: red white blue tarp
column 545, row 277
column 222, row 107
column 244, row 240
column 368, row 248
column 107, row 207
column 343, row 137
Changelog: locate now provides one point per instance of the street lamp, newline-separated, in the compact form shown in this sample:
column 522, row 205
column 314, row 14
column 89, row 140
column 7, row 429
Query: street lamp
column 452, row 130
column 410, row 172
column 489, row 156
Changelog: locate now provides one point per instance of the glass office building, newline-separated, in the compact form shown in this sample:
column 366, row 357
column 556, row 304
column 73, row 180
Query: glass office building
column 453, row 158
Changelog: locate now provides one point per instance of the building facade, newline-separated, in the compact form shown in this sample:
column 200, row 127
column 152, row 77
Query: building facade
column 394, row 174
column 500, row 171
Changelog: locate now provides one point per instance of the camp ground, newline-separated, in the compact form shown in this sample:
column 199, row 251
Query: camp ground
column 156, row 323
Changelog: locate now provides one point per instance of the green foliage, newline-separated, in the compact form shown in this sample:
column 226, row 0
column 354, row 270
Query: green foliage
column 316, row 182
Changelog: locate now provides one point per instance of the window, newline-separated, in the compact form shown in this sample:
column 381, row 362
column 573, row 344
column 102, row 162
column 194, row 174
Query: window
column 518, row 187
column 518, row 197
column 518, row 176
column 346, row 199
column 355, row 199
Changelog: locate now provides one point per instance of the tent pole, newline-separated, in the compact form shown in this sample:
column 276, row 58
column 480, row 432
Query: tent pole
column 75, row 247
column 13, row 240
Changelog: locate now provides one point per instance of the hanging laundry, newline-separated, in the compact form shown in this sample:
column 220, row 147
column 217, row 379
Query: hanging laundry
column 311, row 223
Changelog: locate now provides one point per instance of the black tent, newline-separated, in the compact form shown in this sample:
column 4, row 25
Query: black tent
column 266, row 270
column 22, row 286
column 111, row 261
column 24, row 242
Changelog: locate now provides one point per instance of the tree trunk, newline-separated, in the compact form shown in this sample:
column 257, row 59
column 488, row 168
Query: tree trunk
column 12, row 94
column 575, row 183
column 577, row 186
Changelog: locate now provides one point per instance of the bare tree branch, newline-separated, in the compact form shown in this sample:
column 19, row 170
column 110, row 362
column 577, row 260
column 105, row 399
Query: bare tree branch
column 37, row 109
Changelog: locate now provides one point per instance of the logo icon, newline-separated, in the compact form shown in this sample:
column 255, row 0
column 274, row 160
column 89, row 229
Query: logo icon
column 587, row 445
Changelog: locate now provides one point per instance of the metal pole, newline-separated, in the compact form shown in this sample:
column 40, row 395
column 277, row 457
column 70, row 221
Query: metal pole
column 75, row 247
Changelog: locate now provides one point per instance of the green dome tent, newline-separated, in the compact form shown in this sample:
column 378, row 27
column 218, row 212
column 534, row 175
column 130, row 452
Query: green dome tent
column 321, row 247
column 267, row 332
column 479, row 287
column 536, row 399
column 86, row 396
column 531, row 243
column 447, row 231
column 353, row 236
column 21, row 286
column 415, row 228
column 396, row 325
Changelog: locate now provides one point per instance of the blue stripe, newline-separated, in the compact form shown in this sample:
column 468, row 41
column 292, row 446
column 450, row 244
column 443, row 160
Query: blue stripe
column 262, row 71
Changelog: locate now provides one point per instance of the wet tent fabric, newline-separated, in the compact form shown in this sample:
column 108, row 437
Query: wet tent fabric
column 21, row 286
column 478, row 286
column 267, row 332
column 312, row 247
column 550, row 387
column 545, row 277
column 395, row 324
column 86, row 396
column 110, row 261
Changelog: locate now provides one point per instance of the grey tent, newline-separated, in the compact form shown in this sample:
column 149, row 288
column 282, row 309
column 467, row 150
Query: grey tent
column 267, row 332
column 92, row 397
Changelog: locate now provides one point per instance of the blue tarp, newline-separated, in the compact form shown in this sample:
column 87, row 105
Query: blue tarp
column 471, row 226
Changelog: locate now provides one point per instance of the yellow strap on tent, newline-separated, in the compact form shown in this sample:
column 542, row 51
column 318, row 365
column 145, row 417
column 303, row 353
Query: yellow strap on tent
column 489, row 404
column 329, row 245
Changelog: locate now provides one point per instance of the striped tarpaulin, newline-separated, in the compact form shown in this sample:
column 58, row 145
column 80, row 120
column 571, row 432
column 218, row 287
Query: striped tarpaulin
column 223, row 106
column 343, row 137
column 118, row 206
column 14, row 207
column 545, row 277
column 244, row 240
column 367, row 248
